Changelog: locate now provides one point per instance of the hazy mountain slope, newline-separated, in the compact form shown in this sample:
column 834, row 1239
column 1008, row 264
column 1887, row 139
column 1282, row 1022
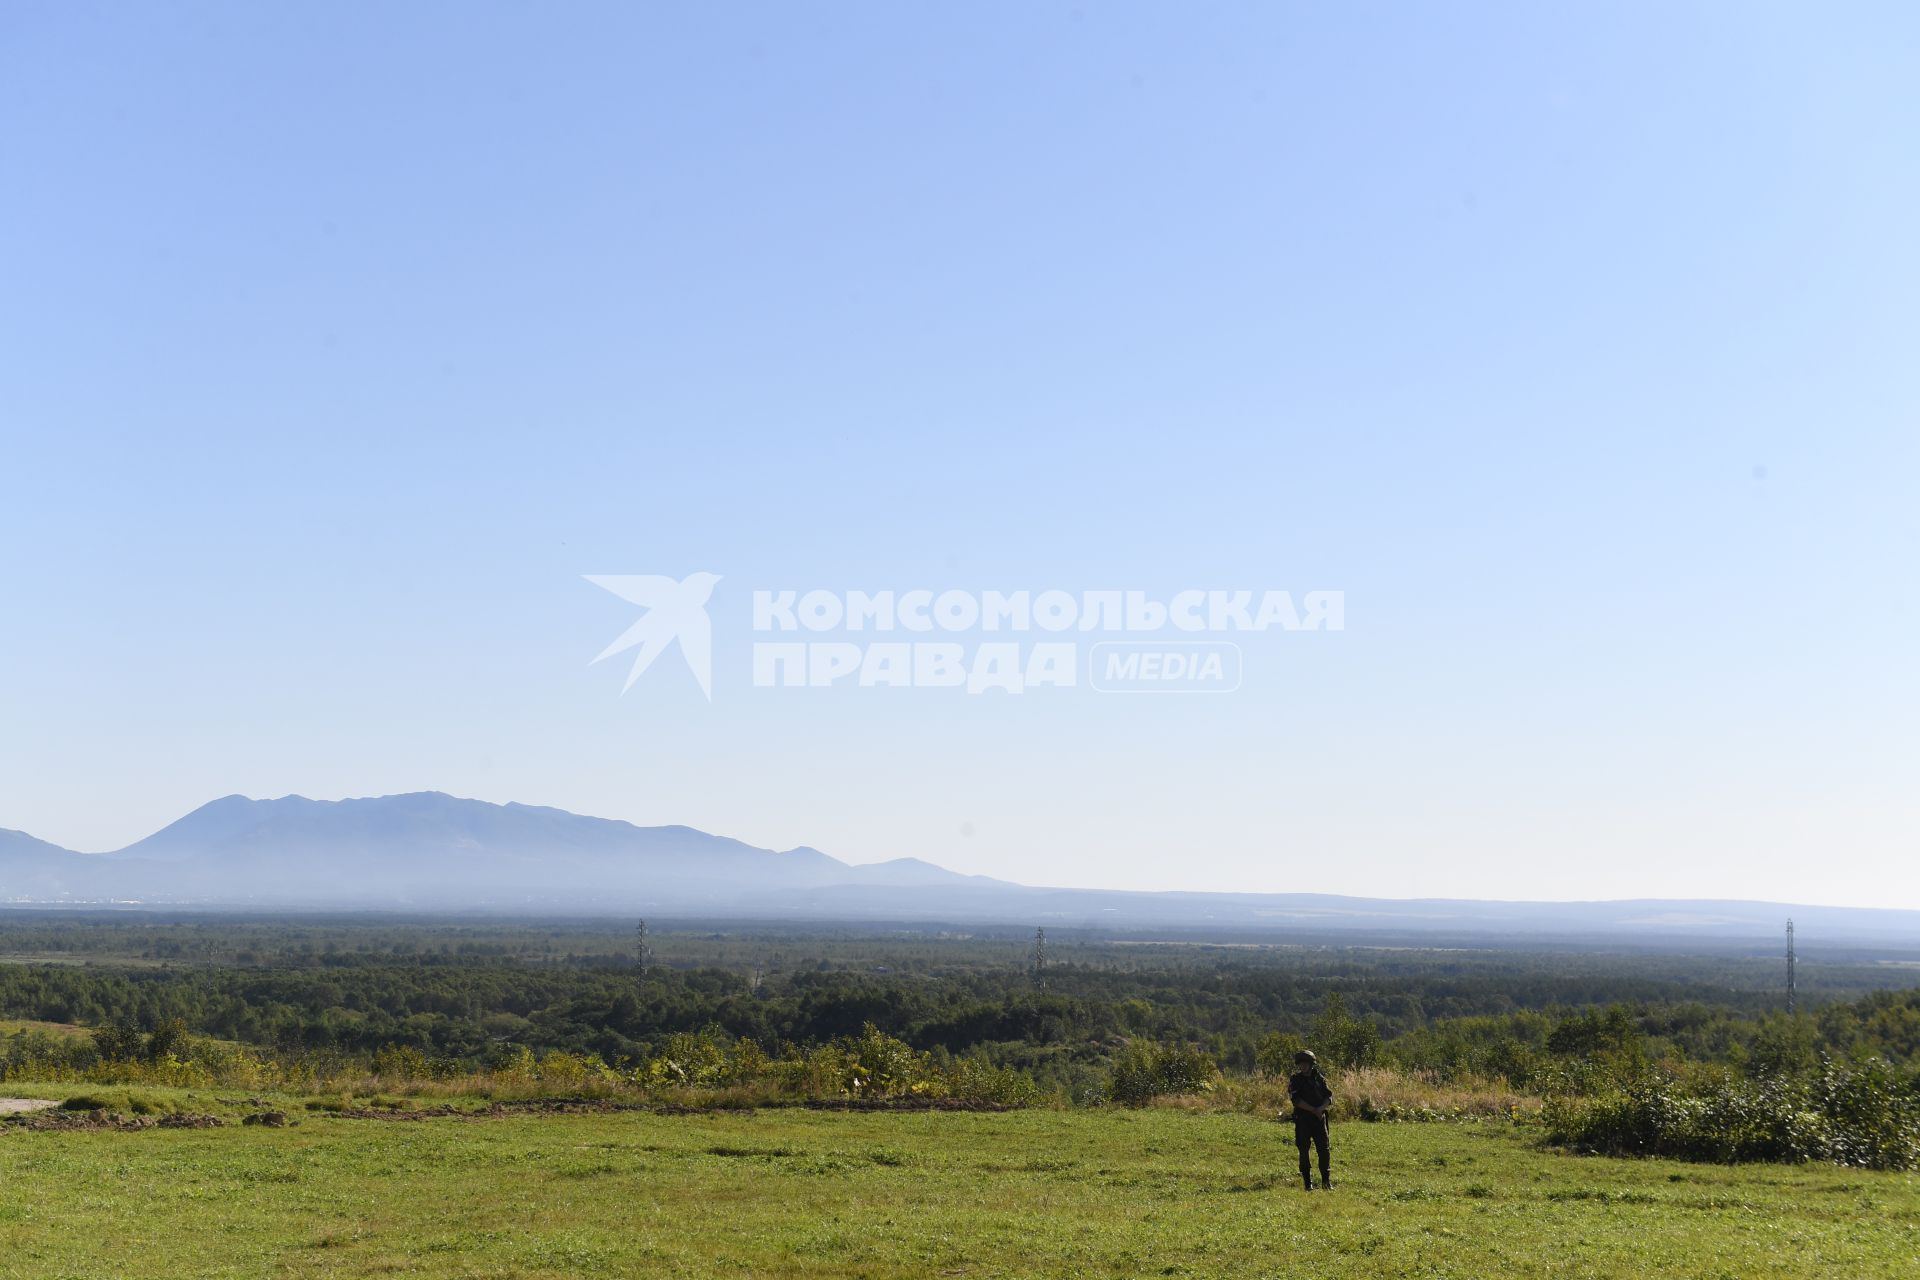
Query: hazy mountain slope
column 32, row 869
column 428, row 851
column 212, row 824
column 18, row 844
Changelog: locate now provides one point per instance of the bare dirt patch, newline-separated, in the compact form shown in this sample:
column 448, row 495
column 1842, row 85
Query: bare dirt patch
column 110, row 1121
column 19, row 1106
column 574, row 1106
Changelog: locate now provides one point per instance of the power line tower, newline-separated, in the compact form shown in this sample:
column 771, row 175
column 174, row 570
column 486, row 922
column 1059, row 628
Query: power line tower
column 1037, row 962
column 642, row 954
column 1790, row 964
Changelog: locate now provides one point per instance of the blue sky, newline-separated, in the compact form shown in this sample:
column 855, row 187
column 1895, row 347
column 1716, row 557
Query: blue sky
column 1574, row 345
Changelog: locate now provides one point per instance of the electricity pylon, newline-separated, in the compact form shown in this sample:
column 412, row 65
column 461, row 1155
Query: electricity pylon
column 1790, row 965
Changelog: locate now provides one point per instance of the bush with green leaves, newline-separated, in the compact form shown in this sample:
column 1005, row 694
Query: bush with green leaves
column 974, row 1079
column 1864, row 1114
column 1145, row 1070
column 1273, row 1059
column 1342, row 1040
column 119, row 1041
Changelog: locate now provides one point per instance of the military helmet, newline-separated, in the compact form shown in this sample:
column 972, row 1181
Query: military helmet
column 1306, row 1056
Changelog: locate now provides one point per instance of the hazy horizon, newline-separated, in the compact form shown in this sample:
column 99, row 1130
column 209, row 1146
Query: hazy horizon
column 778, row 846
column 351, row 356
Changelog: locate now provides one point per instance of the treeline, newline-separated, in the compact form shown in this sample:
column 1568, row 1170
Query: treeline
column 1745, row 977
column 1631, row 1055
column 1520, row 1047
column 1450, row 1026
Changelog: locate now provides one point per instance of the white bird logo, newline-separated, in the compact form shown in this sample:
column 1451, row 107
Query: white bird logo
column 674, row 611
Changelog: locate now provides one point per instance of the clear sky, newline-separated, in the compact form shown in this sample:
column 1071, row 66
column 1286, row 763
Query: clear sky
column 1576, row 344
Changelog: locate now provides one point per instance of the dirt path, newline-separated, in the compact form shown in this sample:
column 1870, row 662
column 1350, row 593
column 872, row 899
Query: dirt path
column 13, row 1106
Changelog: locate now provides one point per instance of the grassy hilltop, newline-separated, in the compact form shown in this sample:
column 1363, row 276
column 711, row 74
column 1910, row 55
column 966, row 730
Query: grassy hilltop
column 418, row 1074
column 790, row 1193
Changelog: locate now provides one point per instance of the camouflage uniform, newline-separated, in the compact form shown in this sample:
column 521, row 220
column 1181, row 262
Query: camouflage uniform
column 1310, row 1131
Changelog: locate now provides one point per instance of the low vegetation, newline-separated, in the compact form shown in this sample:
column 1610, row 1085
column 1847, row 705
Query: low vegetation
column 1040, row 1192
column 1864, row 1115
column 962, row 1022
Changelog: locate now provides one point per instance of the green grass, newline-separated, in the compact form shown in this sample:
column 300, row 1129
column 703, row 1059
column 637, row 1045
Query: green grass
column 796, row 1193
column 61, row 1030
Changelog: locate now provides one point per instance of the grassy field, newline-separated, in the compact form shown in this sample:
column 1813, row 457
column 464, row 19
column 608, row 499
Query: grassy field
column 64, row 1030
column 799, row 1193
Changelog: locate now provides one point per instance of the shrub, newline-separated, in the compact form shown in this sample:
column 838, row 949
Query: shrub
column 977, row 1080
column 571, row 1070
column 167, row 1040
column 699, row 1061
column 878, row 1065
column 1273, row 1059
column 401, row 1062
column 1863, row 1115
column 1143, row 1071
column 1344, row 1040
column 514, row 1062
column 119, row 1042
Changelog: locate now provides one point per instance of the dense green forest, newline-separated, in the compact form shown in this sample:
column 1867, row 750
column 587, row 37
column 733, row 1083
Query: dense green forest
column 462, row 991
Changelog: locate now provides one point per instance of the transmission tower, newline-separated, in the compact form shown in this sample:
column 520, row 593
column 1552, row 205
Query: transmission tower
column 1037, row 965
column 641, row 953
column 1790, row 964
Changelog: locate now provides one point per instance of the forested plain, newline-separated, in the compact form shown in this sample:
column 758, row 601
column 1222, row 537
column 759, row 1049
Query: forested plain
column 463, row 992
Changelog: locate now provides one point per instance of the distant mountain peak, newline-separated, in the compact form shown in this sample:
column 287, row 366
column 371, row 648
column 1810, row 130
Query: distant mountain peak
column 427, row 850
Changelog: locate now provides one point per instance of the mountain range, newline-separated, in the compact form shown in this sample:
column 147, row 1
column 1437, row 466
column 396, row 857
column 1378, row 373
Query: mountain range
column 429, row 850
column 432, row 852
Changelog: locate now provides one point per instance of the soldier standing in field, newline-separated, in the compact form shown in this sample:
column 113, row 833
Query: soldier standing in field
column 1312, row 1099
